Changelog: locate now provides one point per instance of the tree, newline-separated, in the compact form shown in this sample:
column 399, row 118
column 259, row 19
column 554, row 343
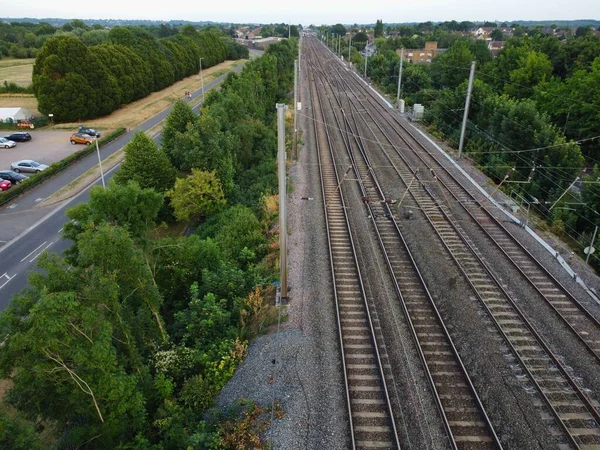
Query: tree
column 451, row 68
column 207, row 148
column 238, row 233
column 338, row 29
column 378, row 29
column 62, row 360
column 178, row 120
column 127, row 206
column 497, row 35
column 197, row 196
column 72, row 83
column 534, row 68
column 146, row 164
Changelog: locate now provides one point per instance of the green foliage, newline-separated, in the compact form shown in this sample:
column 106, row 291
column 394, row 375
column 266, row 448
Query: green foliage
column 75, row 82
column 451, row 68
column 378, row 31
column 534, row 68
column 17, row 433
column 234, row 230
column 71, row 82
column 126, row 205
column 197, row 196
column 126, row 342
column 176, row 124
column 146, row 164
column 65, row 350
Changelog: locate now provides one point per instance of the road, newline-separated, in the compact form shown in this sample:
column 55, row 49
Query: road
column 27, row 231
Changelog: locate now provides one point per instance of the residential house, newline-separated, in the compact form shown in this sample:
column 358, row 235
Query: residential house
column 495, row 46
column 422, row 55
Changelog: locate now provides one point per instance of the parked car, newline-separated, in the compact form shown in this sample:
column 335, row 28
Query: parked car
column 81, row 138
column 5, row 184
column 13, row 177
column 28, row 165
column 90, row 131
column 20, row 136
column 7, row 143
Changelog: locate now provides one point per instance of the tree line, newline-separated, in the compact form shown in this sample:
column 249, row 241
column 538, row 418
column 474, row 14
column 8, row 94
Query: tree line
column 75, row 82
column 533, row 109
column 126, row 341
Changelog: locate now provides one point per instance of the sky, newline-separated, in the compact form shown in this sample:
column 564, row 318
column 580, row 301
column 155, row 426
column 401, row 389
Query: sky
column 308, row 12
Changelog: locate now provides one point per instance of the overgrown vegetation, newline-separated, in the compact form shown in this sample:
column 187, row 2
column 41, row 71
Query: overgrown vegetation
column 126, row 341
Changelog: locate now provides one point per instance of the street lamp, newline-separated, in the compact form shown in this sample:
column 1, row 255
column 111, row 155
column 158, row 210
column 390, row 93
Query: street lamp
column 202, row 78
column 100, row 163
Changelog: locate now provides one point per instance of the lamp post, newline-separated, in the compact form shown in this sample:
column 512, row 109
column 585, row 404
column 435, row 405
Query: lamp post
column 100, row 163
column 202, row 78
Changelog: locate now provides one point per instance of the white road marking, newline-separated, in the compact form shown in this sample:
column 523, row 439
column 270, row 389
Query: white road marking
column 13, row 206
column 32, row 252
column 37, row 200
column 37, row 256
column 60, row 231
column 7, row 278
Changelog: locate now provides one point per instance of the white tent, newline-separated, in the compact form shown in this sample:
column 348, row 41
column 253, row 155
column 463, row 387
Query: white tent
column 14, row 114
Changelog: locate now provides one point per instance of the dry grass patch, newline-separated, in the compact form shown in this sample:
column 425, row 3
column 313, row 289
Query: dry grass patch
column 18, row 71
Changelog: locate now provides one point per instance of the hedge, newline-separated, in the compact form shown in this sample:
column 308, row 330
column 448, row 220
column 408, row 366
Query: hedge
column 55, row 168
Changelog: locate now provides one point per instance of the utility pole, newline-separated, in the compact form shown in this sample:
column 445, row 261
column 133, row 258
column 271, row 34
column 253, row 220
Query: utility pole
column 400, row 78
column 466, row 115
column 296, row 109
column 281, row 107
column 349, row 47
column 202, row 78
column 590, row 249
column 100, row 164
column 366, row 58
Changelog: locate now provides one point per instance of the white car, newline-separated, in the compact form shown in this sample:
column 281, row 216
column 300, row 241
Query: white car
column 27, row 165
column 7, row 143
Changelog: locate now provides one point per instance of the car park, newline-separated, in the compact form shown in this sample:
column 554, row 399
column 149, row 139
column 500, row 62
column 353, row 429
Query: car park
column 7, row 143
column 13, row 177
column 5, row 184
column 20, row 136
column 90, row 131
column 81, row 138
column 28, row 165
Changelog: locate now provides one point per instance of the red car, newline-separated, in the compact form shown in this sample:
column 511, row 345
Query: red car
column 5, row 184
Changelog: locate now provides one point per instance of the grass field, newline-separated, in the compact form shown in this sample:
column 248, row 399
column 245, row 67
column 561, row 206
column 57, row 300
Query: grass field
column 16, row 71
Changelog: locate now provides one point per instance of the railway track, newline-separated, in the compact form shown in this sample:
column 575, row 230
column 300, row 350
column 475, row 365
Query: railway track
column 571, row 408
column 371, row 419
column 461, row 411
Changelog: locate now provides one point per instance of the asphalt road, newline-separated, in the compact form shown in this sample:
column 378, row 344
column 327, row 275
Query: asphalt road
column 26, row 231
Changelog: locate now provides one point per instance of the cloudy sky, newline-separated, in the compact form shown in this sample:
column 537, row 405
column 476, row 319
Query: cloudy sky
column 308, row 12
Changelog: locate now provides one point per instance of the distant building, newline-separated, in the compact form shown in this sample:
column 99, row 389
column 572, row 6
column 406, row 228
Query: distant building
column 424, row 55
column 495, row 46
column 262, row 44
column 369, row 50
